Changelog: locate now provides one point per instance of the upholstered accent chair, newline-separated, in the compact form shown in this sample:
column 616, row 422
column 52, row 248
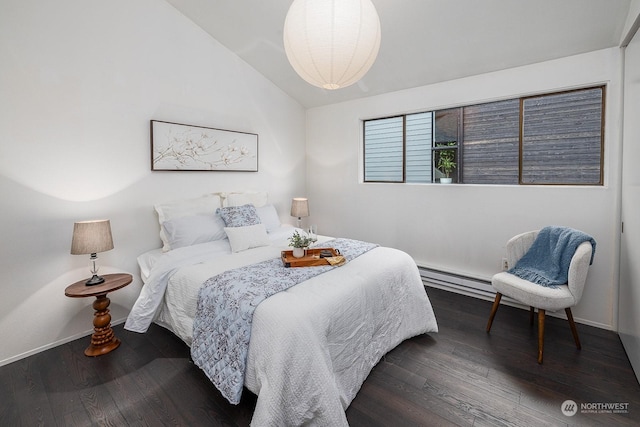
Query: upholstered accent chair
column 537, row 296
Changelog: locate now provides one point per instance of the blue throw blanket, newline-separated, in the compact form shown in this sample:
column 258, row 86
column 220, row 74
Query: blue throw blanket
column 226, row 302
column 547, row 261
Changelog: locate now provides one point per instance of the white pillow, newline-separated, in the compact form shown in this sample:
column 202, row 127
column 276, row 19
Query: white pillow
column 193, row 229
column 243, row 238
column 255, row 198
column 206, row 204
column 269, row 217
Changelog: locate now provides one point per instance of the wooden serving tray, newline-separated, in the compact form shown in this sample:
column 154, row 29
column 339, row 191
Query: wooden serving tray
column 311, row 258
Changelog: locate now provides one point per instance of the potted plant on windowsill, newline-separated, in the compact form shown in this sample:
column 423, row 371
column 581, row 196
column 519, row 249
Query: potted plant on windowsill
column 299, row 243
column 446, row 162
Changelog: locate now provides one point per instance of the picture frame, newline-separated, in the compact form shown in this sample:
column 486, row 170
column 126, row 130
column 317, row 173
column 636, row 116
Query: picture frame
column 182, row 147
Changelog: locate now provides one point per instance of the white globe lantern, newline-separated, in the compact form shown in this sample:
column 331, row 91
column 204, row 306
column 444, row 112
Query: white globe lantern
column 332, row 43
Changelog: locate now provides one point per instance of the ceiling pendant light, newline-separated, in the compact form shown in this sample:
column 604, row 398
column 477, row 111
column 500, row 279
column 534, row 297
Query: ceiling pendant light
column 331, row 43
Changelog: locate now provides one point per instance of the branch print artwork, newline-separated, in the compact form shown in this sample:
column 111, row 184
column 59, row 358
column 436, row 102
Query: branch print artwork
column 194, row 148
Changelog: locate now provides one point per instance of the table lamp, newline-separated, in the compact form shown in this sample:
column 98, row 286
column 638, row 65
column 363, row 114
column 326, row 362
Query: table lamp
column 91, row 237
column 299, row 208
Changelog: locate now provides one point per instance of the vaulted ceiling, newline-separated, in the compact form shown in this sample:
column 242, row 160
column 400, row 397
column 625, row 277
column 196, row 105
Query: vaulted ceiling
column 423, row 41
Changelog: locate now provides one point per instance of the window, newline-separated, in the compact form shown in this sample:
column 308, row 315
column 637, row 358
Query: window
column 445, row 147
column 419, row 136
column 384, row 153
column 562, row 138
column 491, row 142
column 544, row 139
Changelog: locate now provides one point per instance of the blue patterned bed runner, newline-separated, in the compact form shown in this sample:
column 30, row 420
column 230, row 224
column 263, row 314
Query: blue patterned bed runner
column 226, row 302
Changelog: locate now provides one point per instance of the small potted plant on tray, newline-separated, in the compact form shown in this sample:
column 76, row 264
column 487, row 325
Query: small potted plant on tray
column 299, row 243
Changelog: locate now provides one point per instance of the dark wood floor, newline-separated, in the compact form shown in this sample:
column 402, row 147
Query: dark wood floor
column 460, row 376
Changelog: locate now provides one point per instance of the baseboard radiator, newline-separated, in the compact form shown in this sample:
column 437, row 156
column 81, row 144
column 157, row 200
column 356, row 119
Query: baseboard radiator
column 481, row 289
column 469, row 286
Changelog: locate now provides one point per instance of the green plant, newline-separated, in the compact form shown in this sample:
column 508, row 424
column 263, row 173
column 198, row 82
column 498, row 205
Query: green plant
column 299, row 241
column 446, row 158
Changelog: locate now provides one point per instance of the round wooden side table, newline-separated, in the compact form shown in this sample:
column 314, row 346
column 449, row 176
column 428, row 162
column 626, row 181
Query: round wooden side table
column 103, row 340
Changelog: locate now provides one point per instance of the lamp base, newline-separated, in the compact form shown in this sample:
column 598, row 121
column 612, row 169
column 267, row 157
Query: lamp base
column 95, row 280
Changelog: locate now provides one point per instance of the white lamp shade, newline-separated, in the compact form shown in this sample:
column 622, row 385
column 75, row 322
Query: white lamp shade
column 90, row 237
column 332, row 43
column 299, row 207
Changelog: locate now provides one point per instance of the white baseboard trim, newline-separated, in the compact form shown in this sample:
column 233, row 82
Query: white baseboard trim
column 54, row 344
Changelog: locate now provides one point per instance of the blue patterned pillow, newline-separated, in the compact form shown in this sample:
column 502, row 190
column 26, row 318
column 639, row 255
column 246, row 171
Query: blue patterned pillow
column 239, row 216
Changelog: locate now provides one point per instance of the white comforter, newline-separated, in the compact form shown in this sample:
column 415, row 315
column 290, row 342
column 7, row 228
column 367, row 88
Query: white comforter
column 313, row 345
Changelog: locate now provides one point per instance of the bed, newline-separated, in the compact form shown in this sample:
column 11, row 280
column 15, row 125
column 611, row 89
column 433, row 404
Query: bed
column 312, row 345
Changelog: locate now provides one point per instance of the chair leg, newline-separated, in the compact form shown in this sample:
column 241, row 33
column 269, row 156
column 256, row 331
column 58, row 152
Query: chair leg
column 540, row 334
column 531, row 312
column 574, row 330
column 494, row 309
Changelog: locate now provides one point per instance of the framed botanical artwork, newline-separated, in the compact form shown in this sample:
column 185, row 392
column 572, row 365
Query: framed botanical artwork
column 178, row 147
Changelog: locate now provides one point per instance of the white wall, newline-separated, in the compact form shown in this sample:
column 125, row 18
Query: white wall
column 464, row 228
column 79, row 82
